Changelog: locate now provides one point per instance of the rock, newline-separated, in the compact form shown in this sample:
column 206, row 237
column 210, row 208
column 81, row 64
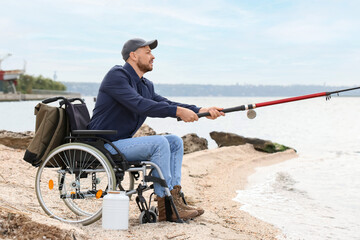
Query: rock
column 231, row 139
column 19, row 140
column 144, row 130
column 224, row 139
column 193, row 143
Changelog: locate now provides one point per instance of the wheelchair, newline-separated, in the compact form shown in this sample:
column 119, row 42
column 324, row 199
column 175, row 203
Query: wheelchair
column 75, row 176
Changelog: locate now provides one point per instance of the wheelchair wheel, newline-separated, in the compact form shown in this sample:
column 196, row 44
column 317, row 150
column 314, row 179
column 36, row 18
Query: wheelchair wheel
column 71, row 183
column 152, row 218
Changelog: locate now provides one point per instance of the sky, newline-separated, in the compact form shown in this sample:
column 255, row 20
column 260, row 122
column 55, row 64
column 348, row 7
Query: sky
column 263, row 42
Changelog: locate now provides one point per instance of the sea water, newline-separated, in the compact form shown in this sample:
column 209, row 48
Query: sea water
column 314, row 196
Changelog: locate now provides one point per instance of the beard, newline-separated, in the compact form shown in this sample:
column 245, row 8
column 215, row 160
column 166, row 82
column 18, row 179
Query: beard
column 144, row 67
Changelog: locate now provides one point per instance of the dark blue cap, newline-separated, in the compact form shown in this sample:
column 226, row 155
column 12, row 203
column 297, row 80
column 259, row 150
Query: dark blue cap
column 135, row 43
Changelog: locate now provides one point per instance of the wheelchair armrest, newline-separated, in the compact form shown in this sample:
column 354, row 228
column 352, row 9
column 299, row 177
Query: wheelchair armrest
column 93, row 132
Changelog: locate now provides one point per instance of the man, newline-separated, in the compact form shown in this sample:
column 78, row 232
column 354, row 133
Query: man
column 124, row 101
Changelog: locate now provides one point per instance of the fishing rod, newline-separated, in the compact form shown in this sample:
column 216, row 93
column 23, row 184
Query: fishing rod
column 251, row 114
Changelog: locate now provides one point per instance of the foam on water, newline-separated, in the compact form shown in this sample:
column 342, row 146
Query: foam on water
column 308, row 197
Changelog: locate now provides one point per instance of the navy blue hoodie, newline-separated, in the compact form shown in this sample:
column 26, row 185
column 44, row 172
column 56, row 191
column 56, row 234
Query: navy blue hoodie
column 125, row 100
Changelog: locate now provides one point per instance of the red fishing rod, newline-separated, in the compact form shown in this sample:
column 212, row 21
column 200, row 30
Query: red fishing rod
column 252, row 114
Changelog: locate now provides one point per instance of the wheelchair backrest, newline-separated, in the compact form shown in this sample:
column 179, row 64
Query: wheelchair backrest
column 78, row 113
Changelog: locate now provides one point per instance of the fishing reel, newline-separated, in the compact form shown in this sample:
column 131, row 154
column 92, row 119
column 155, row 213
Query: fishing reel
column 251, row 114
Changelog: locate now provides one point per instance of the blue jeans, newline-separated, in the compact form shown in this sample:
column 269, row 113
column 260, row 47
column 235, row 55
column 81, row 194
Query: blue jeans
column 166, row 151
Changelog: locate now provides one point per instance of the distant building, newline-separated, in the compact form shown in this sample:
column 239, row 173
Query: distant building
column 8, row 80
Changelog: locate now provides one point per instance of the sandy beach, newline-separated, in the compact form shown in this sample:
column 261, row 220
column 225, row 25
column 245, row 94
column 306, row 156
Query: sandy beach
column 210, row 180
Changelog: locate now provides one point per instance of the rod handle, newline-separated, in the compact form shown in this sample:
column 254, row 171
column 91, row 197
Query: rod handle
column 226, row 110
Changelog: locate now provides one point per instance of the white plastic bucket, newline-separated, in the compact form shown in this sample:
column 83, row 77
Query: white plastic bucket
column 115, row 211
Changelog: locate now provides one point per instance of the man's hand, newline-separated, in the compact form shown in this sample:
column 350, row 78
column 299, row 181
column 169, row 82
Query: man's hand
column 186, row 115
column 215, row 112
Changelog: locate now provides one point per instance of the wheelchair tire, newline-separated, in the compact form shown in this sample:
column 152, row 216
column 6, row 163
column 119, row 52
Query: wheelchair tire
column 71, row 182
column 144, row 219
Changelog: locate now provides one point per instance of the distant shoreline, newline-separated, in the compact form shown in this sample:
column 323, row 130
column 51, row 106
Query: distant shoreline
column 237, row 90
column 10, row 97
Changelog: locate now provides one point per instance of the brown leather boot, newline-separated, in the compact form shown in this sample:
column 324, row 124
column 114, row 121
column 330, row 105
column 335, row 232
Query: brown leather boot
column 176, row 194
column 183, row 213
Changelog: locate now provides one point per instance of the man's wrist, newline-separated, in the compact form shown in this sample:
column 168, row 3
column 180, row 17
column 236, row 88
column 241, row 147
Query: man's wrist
column 178, row 111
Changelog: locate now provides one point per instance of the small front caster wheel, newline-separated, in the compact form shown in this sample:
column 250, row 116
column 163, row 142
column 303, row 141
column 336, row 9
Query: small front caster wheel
column 150, row 218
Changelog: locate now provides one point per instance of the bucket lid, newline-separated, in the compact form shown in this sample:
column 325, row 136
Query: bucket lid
column 116, row 192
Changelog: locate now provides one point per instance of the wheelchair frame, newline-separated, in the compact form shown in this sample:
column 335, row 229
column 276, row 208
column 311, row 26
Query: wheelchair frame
column 72, row 181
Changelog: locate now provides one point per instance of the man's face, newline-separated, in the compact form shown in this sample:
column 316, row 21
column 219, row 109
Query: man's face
column 145, row 59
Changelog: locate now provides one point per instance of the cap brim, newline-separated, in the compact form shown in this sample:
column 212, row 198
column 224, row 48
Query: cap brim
column 152, row 44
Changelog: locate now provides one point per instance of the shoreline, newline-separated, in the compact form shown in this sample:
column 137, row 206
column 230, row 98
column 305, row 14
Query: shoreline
column 210, row 180
column 18, row 97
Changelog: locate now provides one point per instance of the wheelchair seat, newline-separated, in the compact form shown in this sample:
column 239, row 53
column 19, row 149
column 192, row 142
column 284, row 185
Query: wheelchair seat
column 75, row 176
